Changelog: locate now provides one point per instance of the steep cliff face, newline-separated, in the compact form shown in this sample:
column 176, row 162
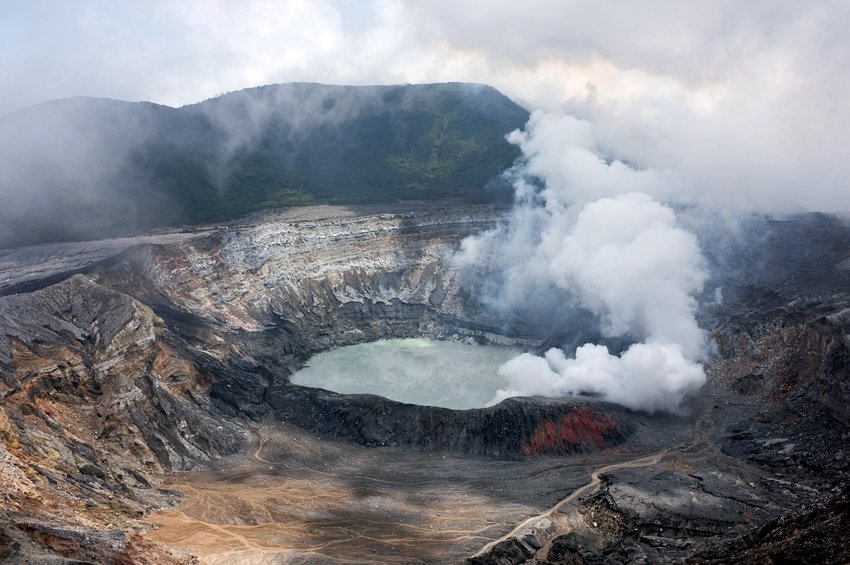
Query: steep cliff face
column 255, row 303
column 109, row 358
column 161, row 357
column 513, row 429
column 97, row 401
column 174, row 352
column 249, row 279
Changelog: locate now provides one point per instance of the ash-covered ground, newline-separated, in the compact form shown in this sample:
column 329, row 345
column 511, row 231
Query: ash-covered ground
column 146, row 412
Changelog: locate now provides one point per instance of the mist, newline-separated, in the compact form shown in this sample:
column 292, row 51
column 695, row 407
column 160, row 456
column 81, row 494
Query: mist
column 592, row 227
column 87, row 168
column 748, row 103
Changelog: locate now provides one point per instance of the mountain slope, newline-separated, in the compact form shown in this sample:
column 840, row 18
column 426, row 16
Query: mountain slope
column 84, row 168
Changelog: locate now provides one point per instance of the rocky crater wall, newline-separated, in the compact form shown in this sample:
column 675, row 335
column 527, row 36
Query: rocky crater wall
column 167, row 355
column 252, row 305
column 175, row 347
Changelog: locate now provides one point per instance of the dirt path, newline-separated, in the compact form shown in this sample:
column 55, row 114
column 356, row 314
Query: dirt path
column 553, row 512
column 292, row 497
column 261, row 443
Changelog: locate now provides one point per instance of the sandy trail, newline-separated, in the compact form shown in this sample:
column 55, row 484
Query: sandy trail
column 553, row 512
column 295, row 499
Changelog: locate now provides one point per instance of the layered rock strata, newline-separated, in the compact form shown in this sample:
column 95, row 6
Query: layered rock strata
column 160, row 358
column 121, row 364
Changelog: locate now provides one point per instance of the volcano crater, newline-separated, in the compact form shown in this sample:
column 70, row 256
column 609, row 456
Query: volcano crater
column 177, row 354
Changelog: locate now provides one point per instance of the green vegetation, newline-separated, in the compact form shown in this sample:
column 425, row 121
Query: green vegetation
column 85, row 168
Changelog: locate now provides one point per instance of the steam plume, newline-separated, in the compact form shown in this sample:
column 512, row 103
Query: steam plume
column 591, row 227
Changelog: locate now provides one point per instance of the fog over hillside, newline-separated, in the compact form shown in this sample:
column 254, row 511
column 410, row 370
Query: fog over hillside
column 84, row 168
column 746, row 103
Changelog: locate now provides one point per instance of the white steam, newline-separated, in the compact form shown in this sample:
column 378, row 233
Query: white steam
column 648, row 376
column 594, row 230
column 630, row 265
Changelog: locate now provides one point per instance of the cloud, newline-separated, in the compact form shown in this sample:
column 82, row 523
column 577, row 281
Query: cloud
column 648, row 376
column 591, row 226
column 748, row 104
column 633, row 267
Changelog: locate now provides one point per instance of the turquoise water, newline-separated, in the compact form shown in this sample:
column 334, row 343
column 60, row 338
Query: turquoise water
column 417, row 371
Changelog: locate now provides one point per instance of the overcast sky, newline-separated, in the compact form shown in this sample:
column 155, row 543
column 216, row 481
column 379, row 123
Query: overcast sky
column 754, row 95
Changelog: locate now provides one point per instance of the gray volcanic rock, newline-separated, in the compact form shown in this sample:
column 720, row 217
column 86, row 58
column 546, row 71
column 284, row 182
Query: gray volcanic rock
column 77, row 339
column 817, row 534
column 770, row 430
column 159, row 357
column 167, row 355
column 97, row 402
column 514, row 428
